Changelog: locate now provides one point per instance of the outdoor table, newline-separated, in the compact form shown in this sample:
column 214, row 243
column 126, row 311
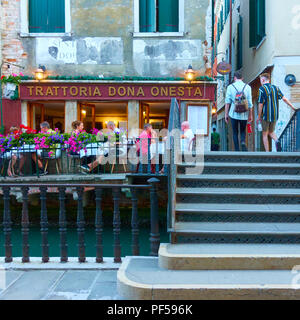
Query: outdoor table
column 94, row 149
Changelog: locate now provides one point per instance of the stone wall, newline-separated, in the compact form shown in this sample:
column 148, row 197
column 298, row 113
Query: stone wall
column 102, row 42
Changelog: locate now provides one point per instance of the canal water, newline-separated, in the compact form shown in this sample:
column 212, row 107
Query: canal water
column 90, row 240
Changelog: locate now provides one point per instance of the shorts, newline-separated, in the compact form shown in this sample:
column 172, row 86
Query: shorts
column 268, row 126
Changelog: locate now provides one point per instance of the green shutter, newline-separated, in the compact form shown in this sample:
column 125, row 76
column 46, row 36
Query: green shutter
column 222, row 19
column 46, row 16
column 147, row 15
column 257, row 26
column 252, row 23
column 240, row 45
column 56, row 16
column 37, row 16
column 261, row 21
column 168, row 15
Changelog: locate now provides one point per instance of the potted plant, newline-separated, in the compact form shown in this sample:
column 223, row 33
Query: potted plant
column 11, row 84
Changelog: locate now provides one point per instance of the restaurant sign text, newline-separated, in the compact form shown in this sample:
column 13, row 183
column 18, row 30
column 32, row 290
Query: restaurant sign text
column 107, row 91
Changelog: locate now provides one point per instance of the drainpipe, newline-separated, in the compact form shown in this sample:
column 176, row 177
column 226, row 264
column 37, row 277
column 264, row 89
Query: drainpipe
column 230, row 37
column 213, row 37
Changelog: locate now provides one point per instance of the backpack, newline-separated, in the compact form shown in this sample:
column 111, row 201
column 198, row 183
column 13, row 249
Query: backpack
column 240, row 101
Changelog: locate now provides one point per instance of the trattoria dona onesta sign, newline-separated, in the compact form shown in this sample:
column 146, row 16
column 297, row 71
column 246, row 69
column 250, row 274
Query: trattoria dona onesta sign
column 108, row 91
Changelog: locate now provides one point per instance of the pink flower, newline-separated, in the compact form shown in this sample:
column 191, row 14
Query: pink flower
column 14, row 75
column 21, row 74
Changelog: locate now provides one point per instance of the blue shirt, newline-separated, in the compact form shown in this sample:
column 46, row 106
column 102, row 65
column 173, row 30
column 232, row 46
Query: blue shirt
column 230, row 98
column 269, row 96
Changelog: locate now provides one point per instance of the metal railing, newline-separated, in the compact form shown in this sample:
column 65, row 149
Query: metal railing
column 174, row 123
column 290, row 137
column 62, row 220
column 93, row 158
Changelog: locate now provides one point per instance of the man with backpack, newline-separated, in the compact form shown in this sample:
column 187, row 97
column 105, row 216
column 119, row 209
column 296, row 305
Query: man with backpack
column 239, row 108
column 268, row 109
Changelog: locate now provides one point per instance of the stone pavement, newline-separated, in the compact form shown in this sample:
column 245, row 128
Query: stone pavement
column 54, row 281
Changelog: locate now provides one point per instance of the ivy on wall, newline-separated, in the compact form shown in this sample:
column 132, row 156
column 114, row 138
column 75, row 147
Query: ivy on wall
column 125, row 78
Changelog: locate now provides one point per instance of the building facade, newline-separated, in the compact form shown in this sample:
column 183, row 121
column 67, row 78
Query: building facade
column 264, row 38
column 107, row 60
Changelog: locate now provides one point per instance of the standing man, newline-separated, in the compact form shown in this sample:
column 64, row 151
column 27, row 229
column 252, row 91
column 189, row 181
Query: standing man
column 238, row 119
column 268, row 109
column 215, row 140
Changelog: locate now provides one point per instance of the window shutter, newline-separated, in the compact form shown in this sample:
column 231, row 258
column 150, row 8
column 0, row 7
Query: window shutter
column 240, row 45
column 261, row 21
column 147, row 16
column 168, row 15
column 37, row 16
column 56, row 16
column 252, row 22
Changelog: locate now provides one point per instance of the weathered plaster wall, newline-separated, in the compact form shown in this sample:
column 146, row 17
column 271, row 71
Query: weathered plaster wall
column 12, row 49
column 102, row 42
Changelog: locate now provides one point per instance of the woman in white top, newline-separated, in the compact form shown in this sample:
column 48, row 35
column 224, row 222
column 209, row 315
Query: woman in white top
column 187, row 137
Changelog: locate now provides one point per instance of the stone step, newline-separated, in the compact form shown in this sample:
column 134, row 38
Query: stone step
column 237, row 212
column 229, row 256
column 141, row 278
column 235, row 232
column 234, row 195
column 246, row 168
column 237, row 181
column 254, row 157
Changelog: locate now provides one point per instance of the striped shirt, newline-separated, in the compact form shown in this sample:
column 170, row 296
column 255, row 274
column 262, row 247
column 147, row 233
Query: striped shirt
column 269, row 96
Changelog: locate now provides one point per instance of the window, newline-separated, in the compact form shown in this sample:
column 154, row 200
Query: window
column 46, row 16
column 257, row 11
column 159, row 16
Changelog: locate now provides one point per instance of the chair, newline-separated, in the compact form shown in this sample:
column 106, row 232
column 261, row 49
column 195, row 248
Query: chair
column 121, row 155
column 73, row 159
column 55, row 157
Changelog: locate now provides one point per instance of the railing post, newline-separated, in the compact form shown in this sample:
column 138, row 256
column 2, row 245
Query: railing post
column 117, row 226
column 44, row 225
column 25, row 226
column 297, row 131
column 63, row 225
column 7, row 225
column 154, row 234
column 99, row 226
column 134, row 224
column 80, row 226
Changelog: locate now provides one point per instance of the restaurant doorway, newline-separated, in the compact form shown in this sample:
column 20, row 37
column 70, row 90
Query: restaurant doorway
column 156, row 113
column 52, row 112
column 98, row 114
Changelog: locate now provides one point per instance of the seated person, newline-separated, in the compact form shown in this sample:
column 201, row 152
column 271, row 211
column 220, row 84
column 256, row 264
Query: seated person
column 14, row 157
column 45, row 128
column 113, row 140
column 187, row 137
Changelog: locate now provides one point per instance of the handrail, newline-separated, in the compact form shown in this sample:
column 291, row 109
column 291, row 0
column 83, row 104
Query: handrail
column 174, row 123
column 290, row 136
column 288, row 124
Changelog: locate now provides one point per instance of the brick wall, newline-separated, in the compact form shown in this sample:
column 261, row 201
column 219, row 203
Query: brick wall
column 12, row 48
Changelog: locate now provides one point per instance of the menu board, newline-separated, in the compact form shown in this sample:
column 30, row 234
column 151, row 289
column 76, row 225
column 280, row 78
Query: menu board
column 198, row 118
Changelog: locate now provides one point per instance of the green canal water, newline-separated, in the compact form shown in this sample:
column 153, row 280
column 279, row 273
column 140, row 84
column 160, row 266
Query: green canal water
column 90, row 240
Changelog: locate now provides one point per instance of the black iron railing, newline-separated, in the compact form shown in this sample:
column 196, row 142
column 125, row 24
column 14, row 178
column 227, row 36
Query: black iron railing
column 290, row 137
column 62, row 221
column 145, row 156
column 174, row 123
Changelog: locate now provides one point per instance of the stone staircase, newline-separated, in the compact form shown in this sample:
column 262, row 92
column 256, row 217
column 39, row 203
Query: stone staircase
column 235, row 233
